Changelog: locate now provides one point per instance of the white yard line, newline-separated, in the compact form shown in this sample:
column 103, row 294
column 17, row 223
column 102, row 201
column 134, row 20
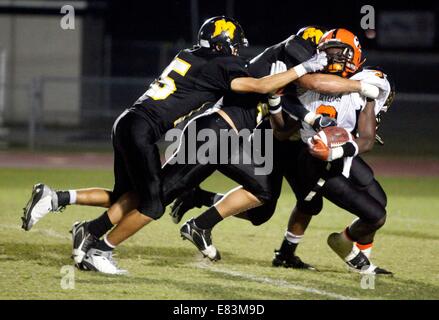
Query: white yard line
column 273, row 282
column 45, row 232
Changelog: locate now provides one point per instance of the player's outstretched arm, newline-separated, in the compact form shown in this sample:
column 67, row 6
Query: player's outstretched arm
column 331, row 84
column 275, row 82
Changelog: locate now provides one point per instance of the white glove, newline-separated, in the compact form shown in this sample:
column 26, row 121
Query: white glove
column 277, row 67
column 316, row 63
column 321, row 151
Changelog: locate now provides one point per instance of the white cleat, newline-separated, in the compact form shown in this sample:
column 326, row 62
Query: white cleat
column 102, row 261
column 43, row 200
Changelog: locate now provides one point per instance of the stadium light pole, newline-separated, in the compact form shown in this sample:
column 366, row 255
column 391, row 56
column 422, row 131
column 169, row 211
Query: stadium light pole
column 230, row 8
column 195, row 20
column 2, row 84
column 3, row 130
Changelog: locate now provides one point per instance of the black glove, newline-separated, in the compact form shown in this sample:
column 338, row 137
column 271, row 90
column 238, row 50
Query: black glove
column 323, row 122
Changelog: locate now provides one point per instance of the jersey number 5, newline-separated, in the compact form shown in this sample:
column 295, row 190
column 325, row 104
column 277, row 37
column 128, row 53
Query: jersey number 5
column 164, row 86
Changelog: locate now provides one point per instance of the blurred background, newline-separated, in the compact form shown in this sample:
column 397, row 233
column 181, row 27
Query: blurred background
column 61, row 89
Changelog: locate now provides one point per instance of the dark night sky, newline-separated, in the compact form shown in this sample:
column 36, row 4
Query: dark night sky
column 265, row 22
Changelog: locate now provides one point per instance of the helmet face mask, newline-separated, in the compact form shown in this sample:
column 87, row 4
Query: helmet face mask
column 222, row 35
column 348, row 59
column 338, row 59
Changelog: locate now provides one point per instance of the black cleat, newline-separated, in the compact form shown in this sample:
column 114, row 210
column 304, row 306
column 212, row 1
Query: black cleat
column 290, row 261
column 356, row 260
column 183, row 204
column 201, row 238
column 83, row 240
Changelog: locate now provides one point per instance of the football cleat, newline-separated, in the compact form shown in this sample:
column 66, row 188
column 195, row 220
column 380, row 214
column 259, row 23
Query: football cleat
column 183, row 204
column 42, row 201
column 102, row 261
column 290, row 261
column 201, row 238
column 83, row 240
column 355, row 259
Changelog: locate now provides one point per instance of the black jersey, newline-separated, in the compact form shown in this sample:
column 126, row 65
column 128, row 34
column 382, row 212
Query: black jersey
column 246, row 109
column 193, row 78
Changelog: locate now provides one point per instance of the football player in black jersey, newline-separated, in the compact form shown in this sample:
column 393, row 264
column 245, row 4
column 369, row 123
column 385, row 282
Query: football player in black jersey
column 242, row 112
column 194, row 77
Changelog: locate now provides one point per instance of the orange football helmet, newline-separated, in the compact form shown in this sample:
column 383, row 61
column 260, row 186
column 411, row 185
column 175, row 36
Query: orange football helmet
column 350, row 59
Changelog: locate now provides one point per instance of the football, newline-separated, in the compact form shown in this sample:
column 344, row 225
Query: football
column 334, row 136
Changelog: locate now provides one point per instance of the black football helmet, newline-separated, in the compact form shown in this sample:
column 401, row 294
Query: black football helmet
column 313, row 34
column 222, row 35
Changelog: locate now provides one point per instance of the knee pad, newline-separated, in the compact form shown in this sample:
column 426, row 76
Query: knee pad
column 261, row 214
column 312, row 208
column 263, row 196
column 379, row 223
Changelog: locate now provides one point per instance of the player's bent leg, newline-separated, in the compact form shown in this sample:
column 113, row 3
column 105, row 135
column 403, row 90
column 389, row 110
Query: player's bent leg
column 138, row 162
column 236, row 201
column 100, row 256
column 85, row 234
column 44, row 200
column 95, row 197
column 286, row 255
column 259, row 215
column 198, row 230
column 343, row 193
column 193, row 198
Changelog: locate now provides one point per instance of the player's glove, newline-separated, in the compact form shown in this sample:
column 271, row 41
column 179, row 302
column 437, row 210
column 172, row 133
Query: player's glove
column 274, row 99
column 322, row 122
column 314, row 64
column 318, row 121
column 320, row 150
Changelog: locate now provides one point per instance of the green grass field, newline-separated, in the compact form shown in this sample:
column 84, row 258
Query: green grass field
column 162, row 266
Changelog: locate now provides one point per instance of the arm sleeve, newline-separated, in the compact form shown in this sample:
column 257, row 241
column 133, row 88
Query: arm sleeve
column 297, row 52
column 221, row 71
column 293, row 107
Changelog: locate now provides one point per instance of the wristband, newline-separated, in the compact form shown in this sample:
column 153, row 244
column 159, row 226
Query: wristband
column 337, row 153
column 274, row 102
column 300, row 70
column 274, row 105
column 350, row 149
column 310, row 118
column 274, row 111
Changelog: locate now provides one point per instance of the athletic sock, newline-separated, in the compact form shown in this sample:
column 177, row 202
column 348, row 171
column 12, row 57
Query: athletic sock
column 66, row 197
column 290, row 242
column 365, row 248
column 104, row 245
column 208, row 219
column 100, row 226
column 63, row 198
column 203, row 197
